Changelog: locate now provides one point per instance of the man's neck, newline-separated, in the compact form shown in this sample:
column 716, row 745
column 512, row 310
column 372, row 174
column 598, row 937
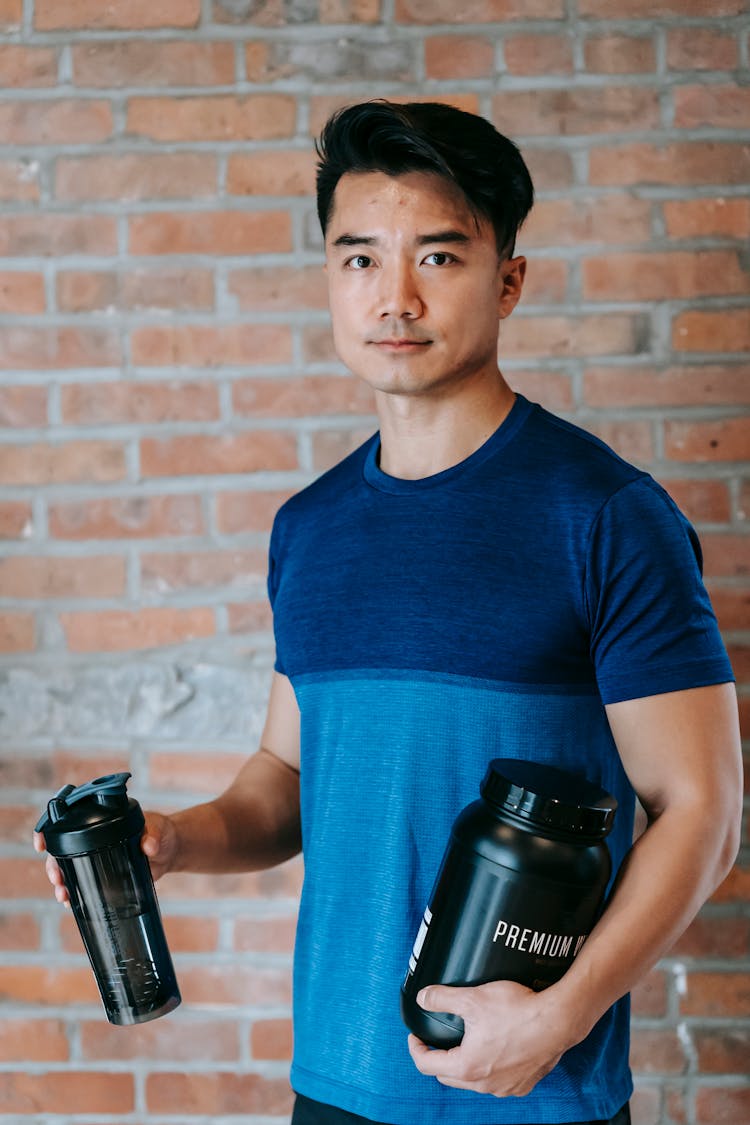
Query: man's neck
column 419, row 438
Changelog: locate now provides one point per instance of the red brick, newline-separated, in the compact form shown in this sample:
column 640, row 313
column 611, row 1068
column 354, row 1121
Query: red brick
column 543, row 112
column 279, row 288
column 619, row 54
column 284, row 881
column 232, row 984
column 274, row 173
column 226, row 1092
column 276, row 13
column 16, row 632
column 27, row 66
column 124, row 630
column 676, row 275
column 720, row 107
column 739, row 656
column 532, row 336
column 570, row 222
column 249, row 617
column 65, row 121
column 645, row 1106
column 17, row 822
column 22, row 292
column 650, row 995
column 551, row 169
column 298, row 397
column 23, row 576
column 186, row 934
column 672, row 386
column 546, row 282
column 18, row 932
column 476, row 11
column 538, row 54
column 709, row 994
column 22, row 878
column 655, row 1051
column 736, row 886
column 256, row 117
column 271, row 1039
column 273, row 934
column 205, row 773
column 726, row 439
column 16, row 520
column 168, row 288
column 700, row 48
column 23, row 406
column 703, row 501
column 86, row 15
column 186, row 1040
column 550, row 388
column 26, row 348
column 188, row 454
column 458, row 56
column 11, row 13
column 54, row 236
column 126, row 517
column 139, row 402
column 331, row 446
column 688, row 162
column 651, row 9
column 189, row 570
column 66, row 1092
column 704, row 218
column 200, row 345
column 75, row 461
column 237, row 512
column 78, row 766
column 722, row 1050
column 131, row 177
column 205, row 232
column 633, row 440
column 722, row 1106
column 732, row 607
column 33, row 1040
column 349, row 11
column 714, row 936
column 139, row 62
column 701, row 331
column 323, row 105
column 19, row 180
column 725, row 554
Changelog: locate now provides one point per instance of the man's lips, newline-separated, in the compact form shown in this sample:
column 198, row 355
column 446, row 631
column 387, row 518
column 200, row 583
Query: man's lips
column 400, row 342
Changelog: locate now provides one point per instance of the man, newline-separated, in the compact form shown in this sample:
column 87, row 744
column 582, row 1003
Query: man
column 480, row 579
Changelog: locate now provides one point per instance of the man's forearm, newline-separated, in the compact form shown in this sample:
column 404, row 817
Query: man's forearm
column 668, row 874
column 252, row 825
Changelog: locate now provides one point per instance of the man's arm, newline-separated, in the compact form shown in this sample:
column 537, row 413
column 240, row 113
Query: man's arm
column 253, row 824
column 681, row 752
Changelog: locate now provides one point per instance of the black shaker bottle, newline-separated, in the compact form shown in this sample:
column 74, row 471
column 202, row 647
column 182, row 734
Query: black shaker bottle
column 94, row 832
column 521, row 884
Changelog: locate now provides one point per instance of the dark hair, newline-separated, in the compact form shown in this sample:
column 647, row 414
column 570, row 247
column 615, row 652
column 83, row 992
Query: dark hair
column 382, row 136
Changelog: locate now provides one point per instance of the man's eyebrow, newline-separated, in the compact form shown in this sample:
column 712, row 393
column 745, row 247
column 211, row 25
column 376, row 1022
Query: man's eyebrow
column 422, row 240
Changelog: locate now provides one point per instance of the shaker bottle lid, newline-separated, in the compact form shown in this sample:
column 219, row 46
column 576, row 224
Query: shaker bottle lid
column 95, row 815
column 549, row 796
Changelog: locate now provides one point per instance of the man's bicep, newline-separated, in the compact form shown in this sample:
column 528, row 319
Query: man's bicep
column 682, row 747
column 281, row 733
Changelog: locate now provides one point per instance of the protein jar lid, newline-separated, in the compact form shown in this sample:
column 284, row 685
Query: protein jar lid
column 546, row 795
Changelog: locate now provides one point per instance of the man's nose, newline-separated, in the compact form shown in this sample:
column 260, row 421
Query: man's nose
column 399, row 293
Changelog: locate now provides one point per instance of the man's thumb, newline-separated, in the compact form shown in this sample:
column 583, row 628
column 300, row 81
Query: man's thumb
column 442, row 998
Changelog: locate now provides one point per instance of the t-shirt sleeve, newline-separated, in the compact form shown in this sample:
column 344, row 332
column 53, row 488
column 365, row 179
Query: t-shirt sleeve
column 272, row 582
column 652, row 626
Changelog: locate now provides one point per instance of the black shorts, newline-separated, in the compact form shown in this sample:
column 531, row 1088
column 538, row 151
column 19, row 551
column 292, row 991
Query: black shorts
column 308, row 1112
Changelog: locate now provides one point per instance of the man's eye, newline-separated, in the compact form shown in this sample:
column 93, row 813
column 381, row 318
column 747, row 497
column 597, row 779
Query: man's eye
column 439, row 258
column 359, row 262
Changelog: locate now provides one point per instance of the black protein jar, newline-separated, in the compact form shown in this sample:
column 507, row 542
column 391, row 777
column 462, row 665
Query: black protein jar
column 521, row 884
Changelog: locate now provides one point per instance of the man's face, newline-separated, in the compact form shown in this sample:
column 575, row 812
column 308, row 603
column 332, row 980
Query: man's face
column 416, row 286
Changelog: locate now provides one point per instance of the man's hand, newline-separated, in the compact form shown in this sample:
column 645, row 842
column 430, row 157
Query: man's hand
column 159, row 843
column 512, row 1038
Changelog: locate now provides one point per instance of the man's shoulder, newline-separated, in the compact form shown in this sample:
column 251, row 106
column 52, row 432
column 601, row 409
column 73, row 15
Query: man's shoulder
column 330, row 489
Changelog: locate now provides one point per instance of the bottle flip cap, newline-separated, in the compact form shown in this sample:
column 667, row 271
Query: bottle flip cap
column 549, row 796
column 91, row 816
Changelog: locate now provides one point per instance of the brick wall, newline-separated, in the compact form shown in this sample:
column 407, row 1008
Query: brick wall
column 167, row 379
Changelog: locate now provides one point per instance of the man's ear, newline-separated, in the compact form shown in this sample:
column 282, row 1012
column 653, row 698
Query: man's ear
column 512, row 273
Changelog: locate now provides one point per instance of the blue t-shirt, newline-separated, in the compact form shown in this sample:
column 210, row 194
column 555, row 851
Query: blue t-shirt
column 427, row 626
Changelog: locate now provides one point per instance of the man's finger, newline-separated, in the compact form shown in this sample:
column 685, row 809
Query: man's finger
column 445, row 998
column 434, row 1062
